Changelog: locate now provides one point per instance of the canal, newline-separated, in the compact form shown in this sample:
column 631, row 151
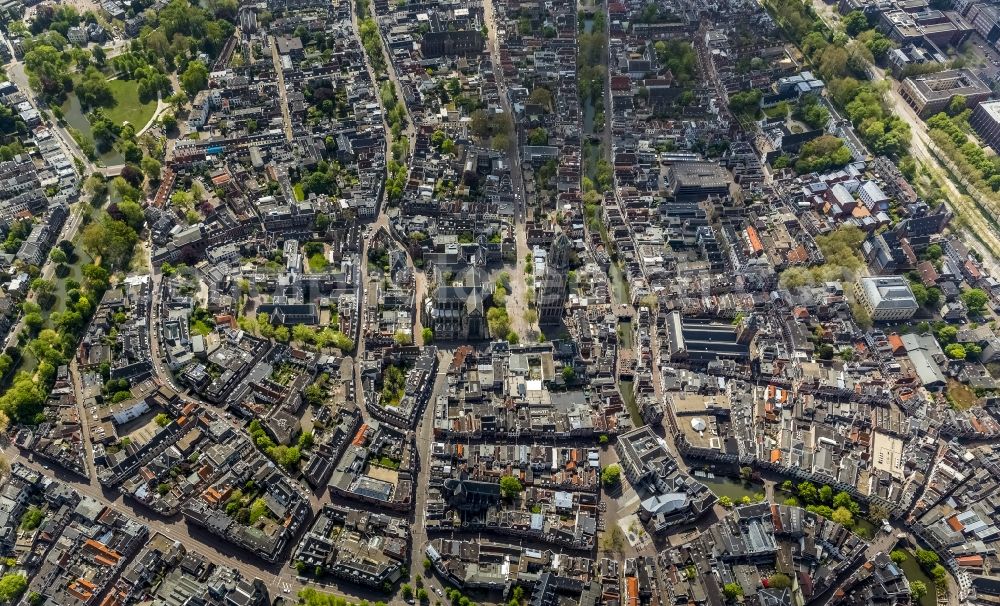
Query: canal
column 913, row 571
column 589, row 109
column 74, row 117
column 619, row 285
column 724, row 486
column 625, row 386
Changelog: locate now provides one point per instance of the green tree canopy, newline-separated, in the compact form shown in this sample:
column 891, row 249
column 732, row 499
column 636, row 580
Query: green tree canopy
column 510, row 486
column 195, row 77
column 611, row 475
column 732, row 591
column 12, row 585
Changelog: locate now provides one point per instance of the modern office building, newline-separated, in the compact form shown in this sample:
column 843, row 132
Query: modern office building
column 929, row 94
column 986, row 122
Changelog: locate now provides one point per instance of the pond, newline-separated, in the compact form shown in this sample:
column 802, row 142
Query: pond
column 74, row 116
column 724, row 486
column 913, row 571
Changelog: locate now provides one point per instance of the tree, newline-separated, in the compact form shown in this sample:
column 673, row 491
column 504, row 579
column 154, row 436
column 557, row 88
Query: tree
column 500, row 296
column 808, row 493
column 43, row 287
column 498, row 321
column 726, row 501
column 303, row 333
column 898, row 556
column 746, row 102
column 538, row 136
column 12, row 585
column 927, row 558
column 305, row 440
column 955, row 351
column 58, row 255
column 940, row 574
column 195, row 77
column 151, row 167
column 918, row 589
column 812, row 112
column 32, row 518
column 428, row 335
column 132, row 213
column 541, row 96
column 93, row 89
column 169, row 122
column 111, row 240
column 162, row 419
column 843, row 516
column 855, row 22
column 946, row 334
column 611, row 475
column 957, row 105
column 787, row 486
column 510, row 487
column 34, row 320
column 822, row 153
column 313, row 394
column 732, row 591
column 779, row 580
column 407, row 590
column 842, row 499
column 975, row 299
column 530, row 316
column 258, row 510
column 826, row 494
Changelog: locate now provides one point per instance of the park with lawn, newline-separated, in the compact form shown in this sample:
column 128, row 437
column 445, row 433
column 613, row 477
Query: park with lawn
column 120, row 105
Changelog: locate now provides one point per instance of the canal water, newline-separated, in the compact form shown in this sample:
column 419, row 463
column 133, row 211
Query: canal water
column 619, row 286
column 625, row 386
column 74, row 116
column 913, row 571
column 735, row 489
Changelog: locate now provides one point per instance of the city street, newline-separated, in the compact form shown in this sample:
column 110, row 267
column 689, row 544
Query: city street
column 517, row 302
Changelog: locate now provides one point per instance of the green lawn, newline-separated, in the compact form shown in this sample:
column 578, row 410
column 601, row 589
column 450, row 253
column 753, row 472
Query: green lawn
column 300, row 194
column 778, row 111
column 317, row 263
column 960, row 396
column 128, row 107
